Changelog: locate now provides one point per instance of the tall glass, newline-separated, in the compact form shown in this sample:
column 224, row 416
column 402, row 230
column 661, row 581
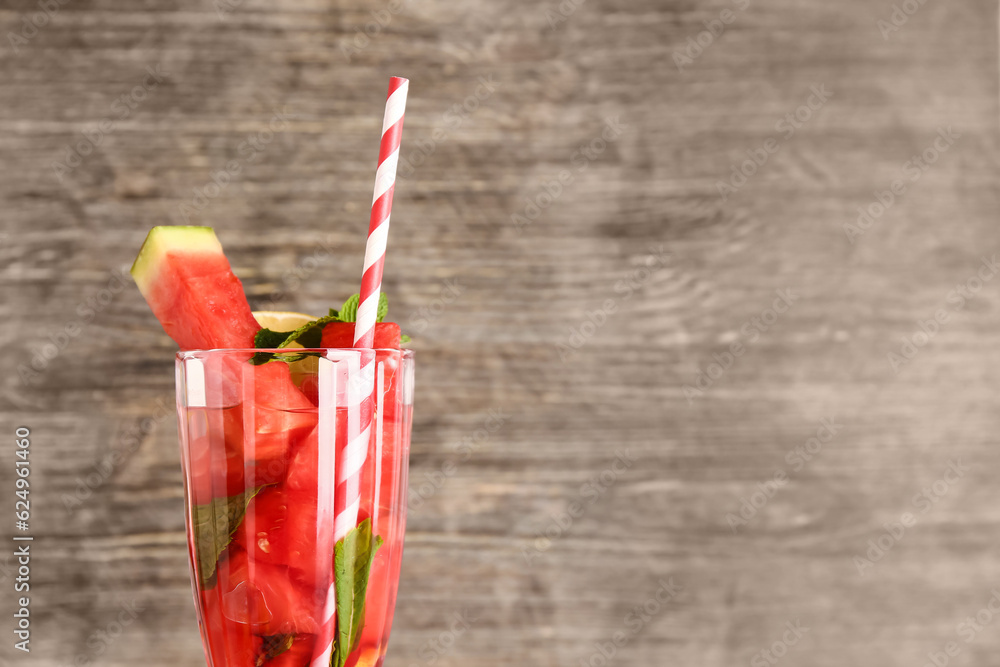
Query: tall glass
column 295, row 535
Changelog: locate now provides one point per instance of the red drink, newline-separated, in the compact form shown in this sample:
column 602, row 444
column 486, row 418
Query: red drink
column 263, row 447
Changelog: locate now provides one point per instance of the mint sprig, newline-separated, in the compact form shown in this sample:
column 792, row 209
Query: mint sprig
column 353, row 558
column 311, row 333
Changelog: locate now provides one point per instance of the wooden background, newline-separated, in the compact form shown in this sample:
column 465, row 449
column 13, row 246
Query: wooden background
column 521, row 293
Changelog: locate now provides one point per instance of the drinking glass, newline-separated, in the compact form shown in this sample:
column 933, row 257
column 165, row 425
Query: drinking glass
column 295, row 513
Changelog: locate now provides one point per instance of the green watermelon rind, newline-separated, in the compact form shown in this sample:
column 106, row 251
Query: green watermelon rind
column 168, row 238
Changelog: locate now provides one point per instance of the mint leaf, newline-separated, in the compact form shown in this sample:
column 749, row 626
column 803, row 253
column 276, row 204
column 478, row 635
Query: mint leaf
column 214, row 525
column 311, row 334
column 403, row 338
column 383, row 307
column 273, row 646
column 349, row 311
column 265, row 338
column 353, row 557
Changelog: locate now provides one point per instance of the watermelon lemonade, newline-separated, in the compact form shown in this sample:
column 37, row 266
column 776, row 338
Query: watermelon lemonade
column 294, row 447
column 260, row 459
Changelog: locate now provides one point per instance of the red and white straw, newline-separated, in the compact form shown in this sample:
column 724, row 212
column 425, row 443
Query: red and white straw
column 361, row 386
column 378, row 226
column 357, row 399
column 356, row 451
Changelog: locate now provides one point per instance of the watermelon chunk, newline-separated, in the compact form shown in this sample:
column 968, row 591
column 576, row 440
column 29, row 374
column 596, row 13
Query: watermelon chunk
column 281, row 414
column 341, row 334
column 190, row 287
column 265, row 597
column 228, row 643
column 281, row 528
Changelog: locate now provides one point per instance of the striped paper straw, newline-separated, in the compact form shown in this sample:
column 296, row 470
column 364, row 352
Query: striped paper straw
column 358, row 401
column 378, row 226
column 353, row 403
column 356, row 451
column 361, row 385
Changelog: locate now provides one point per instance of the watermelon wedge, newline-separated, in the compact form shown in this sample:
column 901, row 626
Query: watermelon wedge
column 190, row 287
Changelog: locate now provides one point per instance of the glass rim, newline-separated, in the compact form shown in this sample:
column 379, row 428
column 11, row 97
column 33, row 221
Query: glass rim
column 181, row 355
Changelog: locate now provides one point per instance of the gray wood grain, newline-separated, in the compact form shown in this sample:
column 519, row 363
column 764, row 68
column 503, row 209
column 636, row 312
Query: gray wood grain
column 522, row 293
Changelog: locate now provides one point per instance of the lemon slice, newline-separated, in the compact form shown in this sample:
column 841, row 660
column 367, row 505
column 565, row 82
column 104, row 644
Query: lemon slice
column 288, row 321
column 276, row 320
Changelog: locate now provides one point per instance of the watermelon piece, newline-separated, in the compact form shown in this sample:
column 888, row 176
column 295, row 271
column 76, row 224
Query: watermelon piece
column 281, row 416
column 341, row 334
column 282, row 524
column 263, row 532
column 249, row 443
column 238, row 645
column 282, row 528
column 265, row 597
column 190, row 287
column 228, row 643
